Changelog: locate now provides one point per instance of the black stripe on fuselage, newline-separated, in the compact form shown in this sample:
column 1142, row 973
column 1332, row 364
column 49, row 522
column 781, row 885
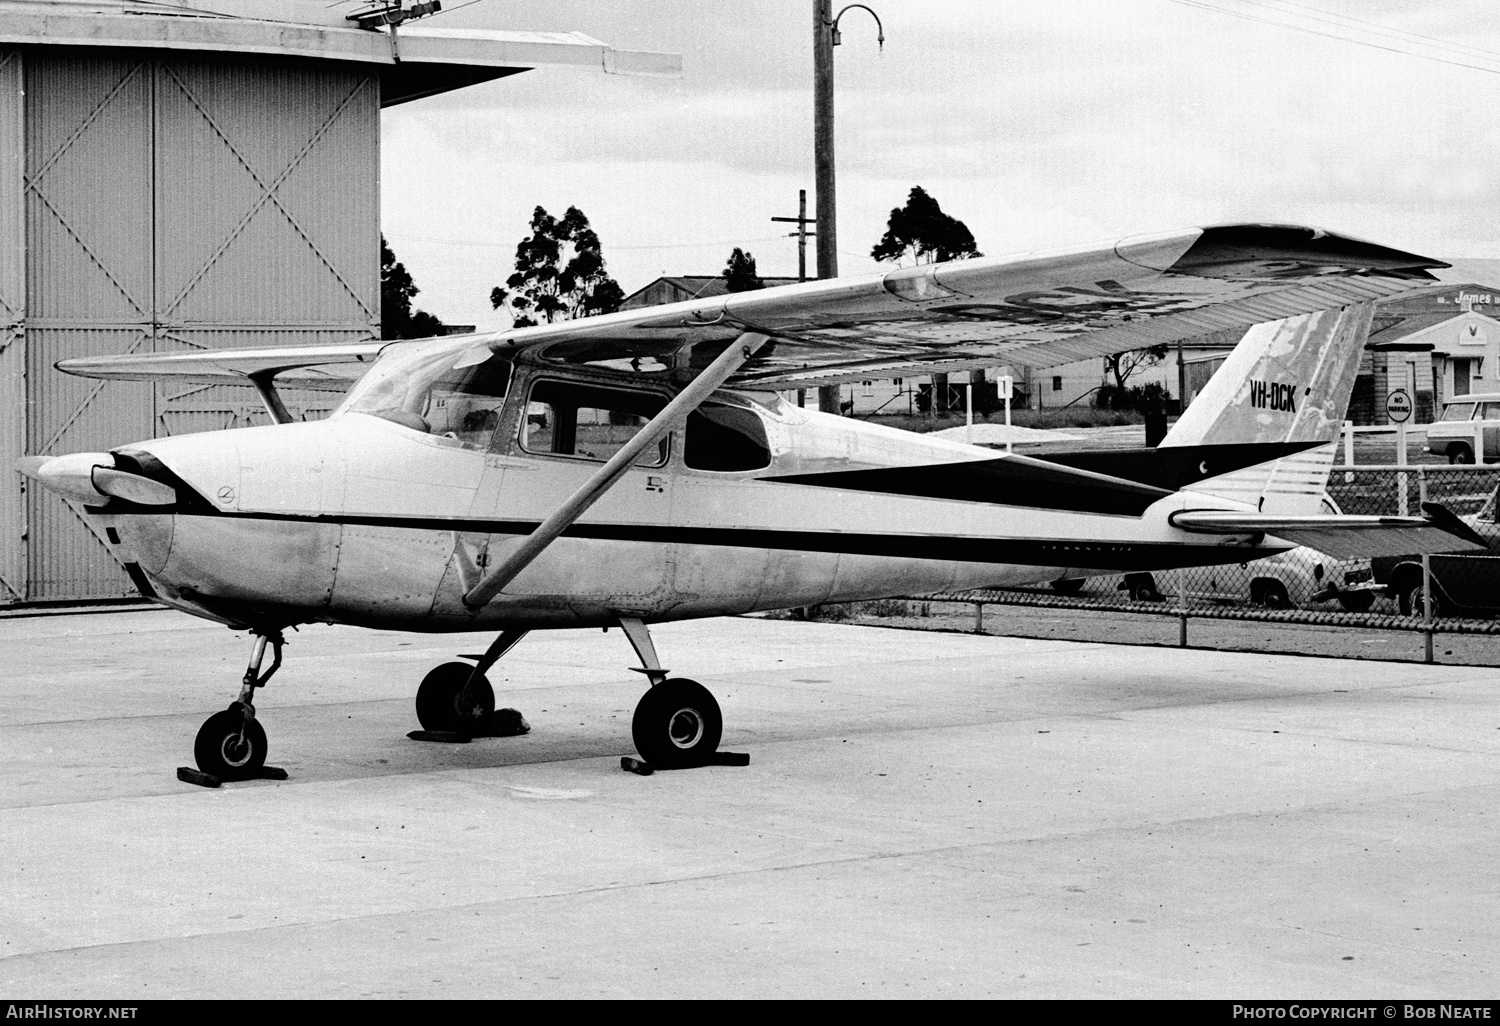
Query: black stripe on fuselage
column 1111, row 482
column 1099, row 555
column 1175, row 467
column 1007, row 481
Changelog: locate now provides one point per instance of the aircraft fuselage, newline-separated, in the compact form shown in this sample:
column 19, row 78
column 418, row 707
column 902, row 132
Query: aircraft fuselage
column 362, row 520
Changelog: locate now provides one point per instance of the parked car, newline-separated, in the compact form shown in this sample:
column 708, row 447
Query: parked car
column 1468, row 429
column 1463, row 584
column 1298, row 578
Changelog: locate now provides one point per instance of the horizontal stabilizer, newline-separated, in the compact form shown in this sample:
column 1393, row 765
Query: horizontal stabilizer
column 1345, row 537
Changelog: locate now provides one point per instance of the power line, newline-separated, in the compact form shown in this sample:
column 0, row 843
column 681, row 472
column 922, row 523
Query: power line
column 510, row 245
column 1208, row 5
column 1378, row 29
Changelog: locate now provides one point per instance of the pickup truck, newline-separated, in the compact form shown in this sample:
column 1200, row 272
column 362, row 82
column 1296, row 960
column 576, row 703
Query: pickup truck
column 1465, row 584
column 1468, row 430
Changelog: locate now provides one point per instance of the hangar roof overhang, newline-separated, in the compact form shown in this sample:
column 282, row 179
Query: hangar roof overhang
column 415, row 61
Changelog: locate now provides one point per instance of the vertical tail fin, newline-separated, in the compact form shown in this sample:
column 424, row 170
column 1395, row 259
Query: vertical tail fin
column 1288, row 381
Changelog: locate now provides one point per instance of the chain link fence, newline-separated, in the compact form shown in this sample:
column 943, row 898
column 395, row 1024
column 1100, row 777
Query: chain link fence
column 1455, row 594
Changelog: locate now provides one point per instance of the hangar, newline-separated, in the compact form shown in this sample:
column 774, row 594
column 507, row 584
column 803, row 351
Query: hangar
column 187, row 174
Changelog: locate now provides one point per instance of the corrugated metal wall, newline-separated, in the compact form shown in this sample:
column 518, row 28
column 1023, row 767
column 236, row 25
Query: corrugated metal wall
column 180, row 204
column 12, row 333
column 269, row 177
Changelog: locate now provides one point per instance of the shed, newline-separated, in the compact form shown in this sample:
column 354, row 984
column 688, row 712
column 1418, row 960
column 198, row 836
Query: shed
column 179, row 175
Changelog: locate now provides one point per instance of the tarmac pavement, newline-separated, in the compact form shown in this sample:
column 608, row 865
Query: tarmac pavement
column 924, row 814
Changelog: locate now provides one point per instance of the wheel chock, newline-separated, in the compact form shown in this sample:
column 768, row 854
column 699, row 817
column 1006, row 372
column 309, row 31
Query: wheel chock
column 504, row 723
column 633, row 765
column 188, row 775
column 444, row 737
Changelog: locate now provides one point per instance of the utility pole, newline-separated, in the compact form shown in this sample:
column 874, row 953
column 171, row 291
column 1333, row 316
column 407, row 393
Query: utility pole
column 828, row 254
column 825, row 38
column 801, row 234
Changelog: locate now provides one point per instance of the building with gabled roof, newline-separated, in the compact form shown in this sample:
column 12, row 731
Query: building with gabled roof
column 676, row 288
column 190, row 174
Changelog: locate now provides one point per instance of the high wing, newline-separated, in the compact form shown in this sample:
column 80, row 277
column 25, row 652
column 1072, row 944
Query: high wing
column 1032, row 310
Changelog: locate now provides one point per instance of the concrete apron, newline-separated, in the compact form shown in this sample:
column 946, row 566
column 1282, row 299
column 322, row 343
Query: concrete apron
column 924, row 814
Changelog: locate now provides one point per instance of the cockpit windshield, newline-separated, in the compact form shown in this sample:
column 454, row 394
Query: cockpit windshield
column 454, row 390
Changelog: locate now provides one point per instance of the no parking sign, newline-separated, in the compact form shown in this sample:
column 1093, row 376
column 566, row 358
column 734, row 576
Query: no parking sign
column 1398, row 406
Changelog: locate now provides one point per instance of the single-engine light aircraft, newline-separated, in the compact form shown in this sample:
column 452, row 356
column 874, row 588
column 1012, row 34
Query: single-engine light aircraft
column 641, row 467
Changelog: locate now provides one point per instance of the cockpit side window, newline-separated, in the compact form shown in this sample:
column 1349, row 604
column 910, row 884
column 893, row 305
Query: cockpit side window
column 571, row 418
column 452, row 393
column 725, row 438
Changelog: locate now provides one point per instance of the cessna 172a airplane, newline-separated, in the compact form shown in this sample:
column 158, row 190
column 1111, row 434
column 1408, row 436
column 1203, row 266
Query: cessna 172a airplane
column 640, row 467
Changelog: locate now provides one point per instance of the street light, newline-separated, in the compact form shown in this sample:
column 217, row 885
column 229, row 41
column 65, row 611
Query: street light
column 825, row 38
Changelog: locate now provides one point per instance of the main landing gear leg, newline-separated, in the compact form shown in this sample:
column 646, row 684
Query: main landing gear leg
column 456, row 702
column 677, row 723
column 231, row 745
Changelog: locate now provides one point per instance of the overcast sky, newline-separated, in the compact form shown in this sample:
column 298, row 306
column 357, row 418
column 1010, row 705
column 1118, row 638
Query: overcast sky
column 1039, row 125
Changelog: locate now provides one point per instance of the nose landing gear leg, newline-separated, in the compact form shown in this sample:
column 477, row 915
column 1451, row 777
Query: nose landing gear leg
column 231, row 745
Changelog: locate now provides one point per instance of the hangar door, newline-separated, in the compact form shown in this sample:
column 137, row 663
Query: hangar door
column 175, row 205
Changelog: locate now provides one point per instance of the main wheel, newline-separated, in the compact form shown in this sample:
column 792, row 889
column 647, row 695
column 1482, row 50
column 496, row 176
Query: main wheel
column 1460, row 454
column 439, row 700
column 230, row 748
column 677, row 725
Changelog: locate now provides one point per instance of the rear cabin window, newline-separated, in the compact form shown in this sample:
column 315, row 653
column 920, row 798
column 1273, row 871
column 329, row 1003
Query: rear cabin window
column 569, row 418
column 1458, row 411
column 1489, row 411
column 725, row 438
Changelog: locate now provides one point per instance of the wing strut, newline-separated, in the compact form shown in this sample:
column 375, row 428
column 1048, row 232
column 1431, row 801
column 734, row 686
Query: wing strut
column 265, row 386
column 675, row 412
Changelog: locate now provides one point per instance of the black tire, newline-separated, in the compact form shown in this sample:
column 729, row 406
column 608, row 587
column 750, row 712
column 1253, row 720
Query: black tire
column 1142, row 588
column 438, row 700
column 1460, row 454
column 1273, row 595
column 1412, row 603
column 1356, row 601
column 1067, row 586
column 677, row 725
column 220, row 750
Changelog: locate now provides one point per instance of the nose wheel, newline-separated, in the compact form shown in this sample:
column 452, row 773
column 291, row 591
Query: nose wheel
column 231, row 745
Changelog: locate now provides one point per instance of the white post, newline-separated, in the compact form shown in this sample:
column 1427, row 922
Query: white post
column 1007, row 384
column 969, row 409
column 1401, row 462
column 1348, row 451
